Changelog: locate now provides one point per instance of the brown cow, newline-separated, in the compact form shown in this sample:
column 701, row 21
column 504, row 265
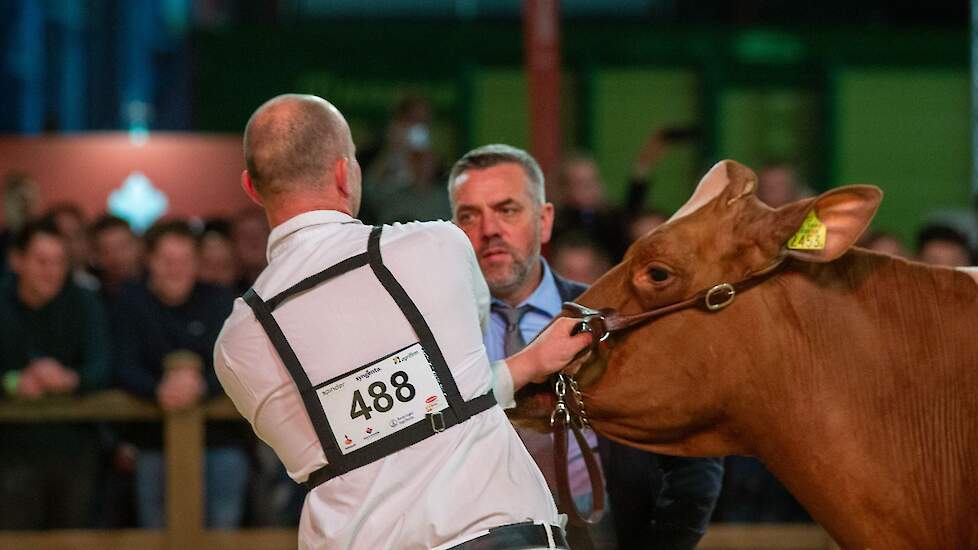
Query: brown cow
column 852, row 375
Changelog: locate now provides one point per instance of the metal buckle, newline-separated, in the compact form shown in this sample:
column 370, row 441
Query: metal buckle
column 560, row 409
column 722, row 287
column 584, row 325
column 560, row 413
column 438, row 426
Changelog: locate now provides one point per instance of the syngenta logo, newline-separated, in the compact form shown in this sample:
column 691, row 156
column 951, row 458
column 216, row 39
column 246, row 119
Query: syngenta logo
column 368, row 373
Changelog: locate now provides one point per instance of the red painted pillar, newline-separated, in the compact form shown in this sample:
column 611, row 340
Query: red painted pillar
column 541, row 38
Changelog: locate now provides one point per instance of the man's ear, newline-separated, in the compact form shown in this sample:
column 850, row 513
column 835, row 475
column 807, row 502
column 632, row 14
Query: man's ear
column 825, row 228
column 249, row 188
column 341, row 176
column 546, row 222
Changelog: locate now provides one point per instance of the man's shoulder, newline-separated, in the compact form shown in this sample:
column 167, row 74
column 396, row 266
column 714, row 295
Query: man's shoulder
column 436, row 228
column 240, row 326
column 435, row 234
column 569, row 290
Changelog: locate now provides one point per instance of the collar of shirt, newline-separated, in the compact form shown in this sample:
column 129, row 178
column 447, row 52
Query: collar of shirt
column 315, row 217
column 545, row 304
column 546, row 298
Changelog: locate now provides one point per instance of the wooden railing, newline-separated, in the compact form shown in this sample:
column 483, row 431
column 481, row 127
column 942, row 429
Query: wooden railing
column 183, row 442
column 184, row 452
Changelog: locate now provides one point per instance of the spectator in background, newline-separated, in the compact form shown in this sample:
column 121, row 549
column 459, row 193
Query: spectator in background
column 778, row 184
column 943, row 245
column 218, row 263
column 578, row 258
column 116, row 254
column 249, row 232
column 20, row 206
column 644, row 222
column 70, row 220
column 52, row 341
column 584, row 205
column 404, row 180
column 410, row 123
column 887, row 243
column 165, row 329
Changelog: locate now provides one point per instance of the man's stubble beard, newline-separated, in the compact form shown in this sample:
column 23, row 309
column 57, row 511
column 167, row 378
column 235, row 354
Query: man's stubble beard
column 516, row 275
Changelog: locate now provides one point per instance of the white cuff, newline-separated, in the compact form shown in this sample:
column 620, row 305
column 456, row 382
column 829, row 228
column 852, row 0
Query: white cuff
column 502, row 384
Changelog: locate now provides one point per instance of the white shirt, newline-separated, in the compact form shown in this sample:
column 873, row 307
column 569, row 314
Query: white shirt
column 471, row 477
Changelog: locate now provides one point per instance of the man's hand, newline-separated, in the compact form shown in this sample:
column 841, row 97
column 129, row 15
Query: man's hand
column 553, row 350
column 183, row 384
column 52, row 376
column 180, row 388
column 652, row 150
column 28, row 386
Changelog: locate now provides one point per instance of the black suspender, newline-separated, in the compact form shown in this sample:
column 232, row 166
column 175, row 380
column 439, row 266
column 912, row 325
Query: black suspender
column 459, row 410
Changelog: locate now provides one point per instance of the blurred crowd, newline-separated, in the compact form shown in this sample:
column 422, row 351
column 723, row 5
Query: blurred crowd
column 87, row 304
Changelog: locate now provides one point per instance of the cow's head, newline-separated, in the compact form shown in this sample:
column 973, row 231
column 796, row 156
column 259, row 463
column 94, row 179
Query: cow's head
column 668, row 380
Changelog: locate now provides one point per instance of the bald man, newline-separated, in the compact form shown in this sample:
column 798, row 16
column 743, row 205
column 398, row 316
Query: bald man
column 357, row 356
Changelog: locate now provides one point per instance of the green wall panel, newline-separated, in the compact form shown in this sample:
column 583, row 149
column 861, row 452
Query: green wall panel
column 756, row 126
column 500, row 113
column 907, row 131
column 627, row 104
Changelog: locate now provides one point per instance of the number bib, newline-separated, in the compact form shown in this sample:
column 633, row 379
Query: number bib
column 374, row 401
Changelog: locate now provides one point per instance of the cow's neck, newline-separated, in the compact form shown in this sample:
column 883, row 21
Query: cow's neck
column 858, row 396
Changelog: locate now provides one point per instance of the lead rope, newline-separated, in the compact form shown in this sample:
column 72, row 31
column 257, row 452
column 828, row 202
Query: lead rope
column 574, row 421
column 582, row 419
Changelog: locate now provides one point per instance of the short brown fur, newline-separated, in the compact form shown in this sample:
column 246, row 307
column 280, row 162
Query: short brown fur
column 853, row 378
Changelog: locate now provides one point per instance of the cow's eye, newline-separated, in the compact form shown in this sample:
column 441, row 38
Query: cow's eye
column 658, row 274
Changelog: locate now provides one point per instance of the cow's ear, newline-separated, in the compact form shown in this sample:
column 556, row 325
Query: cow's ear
column 728, row 178
column 824, row 228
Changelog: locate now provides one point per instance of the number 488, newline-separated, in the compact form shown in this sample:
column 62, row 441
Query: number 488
column 382, row 400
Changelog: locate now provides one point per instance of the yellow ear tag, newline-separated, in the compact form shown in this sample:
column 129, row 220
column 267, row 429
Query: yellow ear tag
column 811, row 234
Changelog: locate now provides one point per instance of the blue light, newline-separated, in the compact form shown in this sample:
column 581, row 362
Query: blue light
column 138, row 202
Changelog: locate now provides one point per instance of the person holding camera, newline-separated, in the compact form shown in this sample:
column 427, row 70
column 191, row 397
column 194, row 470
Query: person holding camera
column 404, row 174
column 584, row 208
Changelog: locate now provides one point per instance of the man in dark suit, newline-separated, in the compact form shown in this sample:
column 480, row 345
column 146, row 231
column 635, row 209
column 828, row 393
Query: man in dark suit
column 497, row 196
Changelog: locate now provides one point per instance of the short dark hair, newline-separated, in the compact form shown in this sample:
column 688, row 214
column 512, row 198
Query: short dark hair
column 576, row 238
column 106, row 222
column 946, row 233
column 178, row 228
column 220, row 226
column 69, row 208
column 43, row 226
column 488, row 156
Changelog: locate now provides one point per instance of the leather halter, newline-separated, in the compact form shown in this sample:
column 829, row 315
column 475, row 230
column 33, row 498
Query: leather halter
column 602, row 323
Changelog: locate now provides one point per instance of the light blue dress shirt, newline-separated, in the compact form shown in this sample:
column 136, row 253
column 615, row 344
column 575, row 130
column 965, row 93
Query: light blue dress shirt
column 545, row 303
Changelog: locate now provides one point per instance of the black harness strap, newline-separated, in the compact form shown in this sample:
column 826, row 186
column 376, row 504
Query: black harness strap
column 313, row 407
column 459, row 410
column 311, row 281
column 417, row 432
column 420, row 326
